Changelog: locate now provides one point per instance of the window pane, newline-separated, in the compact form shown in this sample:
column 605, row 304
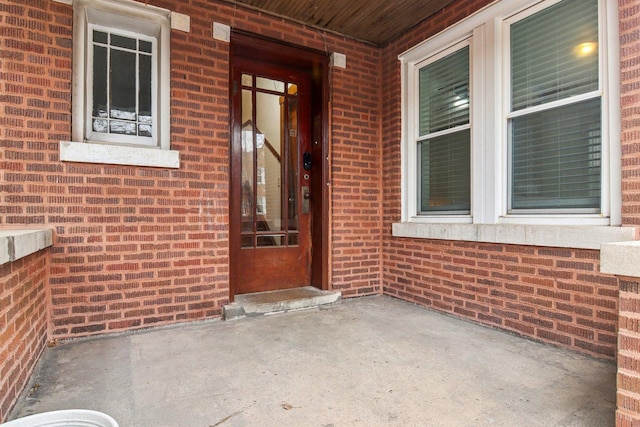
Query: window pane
column 444, row 93
column 123, row 85
column 269, row 145
column 292, row 176
column 144, row 95
column 123, row 128
column 268, row 84
column 556, row 158
column 144, row 46
column 445, row 178
column 125, row 42
column 247, row 80
column 100, row 37
column 100, row 108
column 248, row 144
column 554, row 53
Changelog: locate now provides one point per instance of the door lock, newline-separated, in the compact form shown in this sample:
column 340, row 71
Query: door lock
column 306, row 198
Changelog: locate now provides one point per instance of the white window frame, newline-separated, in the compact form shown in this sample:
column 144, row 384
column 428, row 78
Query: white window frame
column 135, row 18
column 490, row 101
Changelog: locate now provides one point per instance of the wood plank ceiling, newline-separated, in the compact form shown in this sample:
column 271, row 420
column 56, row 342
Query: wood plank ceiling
column 375, row 21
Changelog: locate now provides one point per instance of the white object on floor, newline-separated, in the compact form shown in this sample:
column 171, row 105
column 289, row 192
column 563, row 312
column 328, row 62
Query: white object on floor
column 64, row 418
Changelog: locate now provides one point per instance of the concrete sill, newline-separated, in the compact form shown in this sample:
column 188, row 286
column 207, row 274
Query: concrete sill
column 16, row 244
column 564, row 236
column 118, row 155
column 621, row 259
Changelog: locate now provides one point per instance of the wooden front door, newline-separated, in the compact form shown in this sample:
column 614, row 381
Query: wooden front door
column 271, row 167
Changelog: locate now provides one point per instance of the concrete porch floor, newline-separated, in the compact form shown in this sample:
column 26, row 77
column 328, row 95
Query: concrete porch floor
column 363, row 362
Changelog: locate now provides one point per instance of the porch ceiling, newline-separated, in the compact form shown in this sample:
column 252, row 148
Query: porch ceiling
column 374, row 21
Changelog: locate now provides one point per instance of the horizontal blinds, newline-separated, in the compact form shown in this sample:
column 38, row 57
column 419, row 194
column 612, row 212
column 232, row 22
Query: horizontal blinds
column 554, row 53
column 445, row 181
column 444, row 93
column 556, row 158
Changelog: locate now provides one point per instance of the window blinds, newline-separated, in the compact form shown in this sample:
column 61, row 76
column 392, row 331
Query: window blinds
column 554, row 54
column 444, row 159
column 444, row 93
column 445, row 181
column 556, row 152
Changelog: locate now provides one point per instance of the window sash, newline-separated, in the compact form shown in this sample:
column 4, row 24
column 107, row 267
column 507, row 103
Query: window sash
column 443, row 87
column 556, row 159
column 554, row 53
column 444, row 171
column 555, row 125
column 443, row 140
column 120, row 118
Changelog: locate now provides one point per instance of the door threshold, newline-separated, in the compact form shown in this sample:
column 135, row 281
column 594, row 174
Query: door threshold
column 261, row 303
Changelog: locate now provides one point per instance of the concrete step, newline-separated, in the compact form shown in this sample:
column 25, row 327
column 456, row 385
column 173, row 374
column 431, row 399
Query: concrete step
column 261, row 303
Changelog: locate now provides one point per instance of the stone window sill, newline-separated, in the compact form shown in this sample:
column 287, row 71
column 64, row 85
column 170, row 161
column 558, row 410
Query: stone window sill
column 16, row 244
column 118, row 155
column 564, row 236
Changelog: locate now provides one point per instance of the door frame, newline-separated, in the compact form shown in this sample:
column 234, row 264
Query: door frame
column 316, row 64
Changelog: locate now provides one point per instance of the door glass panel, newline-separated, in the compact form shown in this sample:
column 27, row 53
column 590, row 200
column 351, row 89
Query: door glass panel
column 247, row 241
column 294, row 163
column 268, row 84
column 269, row 125
column 247, row 80
column 247, row 207
column 270, row 163
column 270, row 240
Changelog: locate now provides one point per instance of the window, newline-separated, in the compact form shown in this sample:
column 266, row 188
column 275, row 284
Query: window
column 510, row 127
column 443, row 140
column 121, row 85
column 555, row 120
column 122, row 92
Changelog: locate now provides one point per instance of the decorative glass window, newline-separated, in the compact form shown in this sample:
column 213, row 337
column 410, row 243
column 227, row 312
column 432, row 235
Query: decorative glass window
column 122, row 77
column 121, row 85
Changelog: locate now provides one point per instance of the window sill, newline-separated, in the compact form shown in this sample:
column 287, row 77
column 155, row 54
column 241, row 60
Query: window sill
column 118, row 155
column 621, row 259
column 564, row 236
column 16, row 244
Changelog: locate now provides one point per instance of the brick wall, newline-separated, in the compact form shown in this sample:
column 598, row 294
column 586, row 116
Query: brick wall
column 137, row 246
column 549, row 294
column 23, row 324
column 630, row 98
column 355, row 177
column 628, row 397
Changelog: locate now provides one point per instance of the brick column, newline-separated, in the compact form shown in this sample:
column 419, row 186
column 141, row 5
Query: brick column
column 628, row 396
column 623, row 260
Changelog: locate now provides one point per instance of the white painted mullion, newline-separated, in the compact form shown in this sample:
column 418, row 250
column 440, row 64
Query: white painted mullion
column 443, row 132
column 554, row 104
